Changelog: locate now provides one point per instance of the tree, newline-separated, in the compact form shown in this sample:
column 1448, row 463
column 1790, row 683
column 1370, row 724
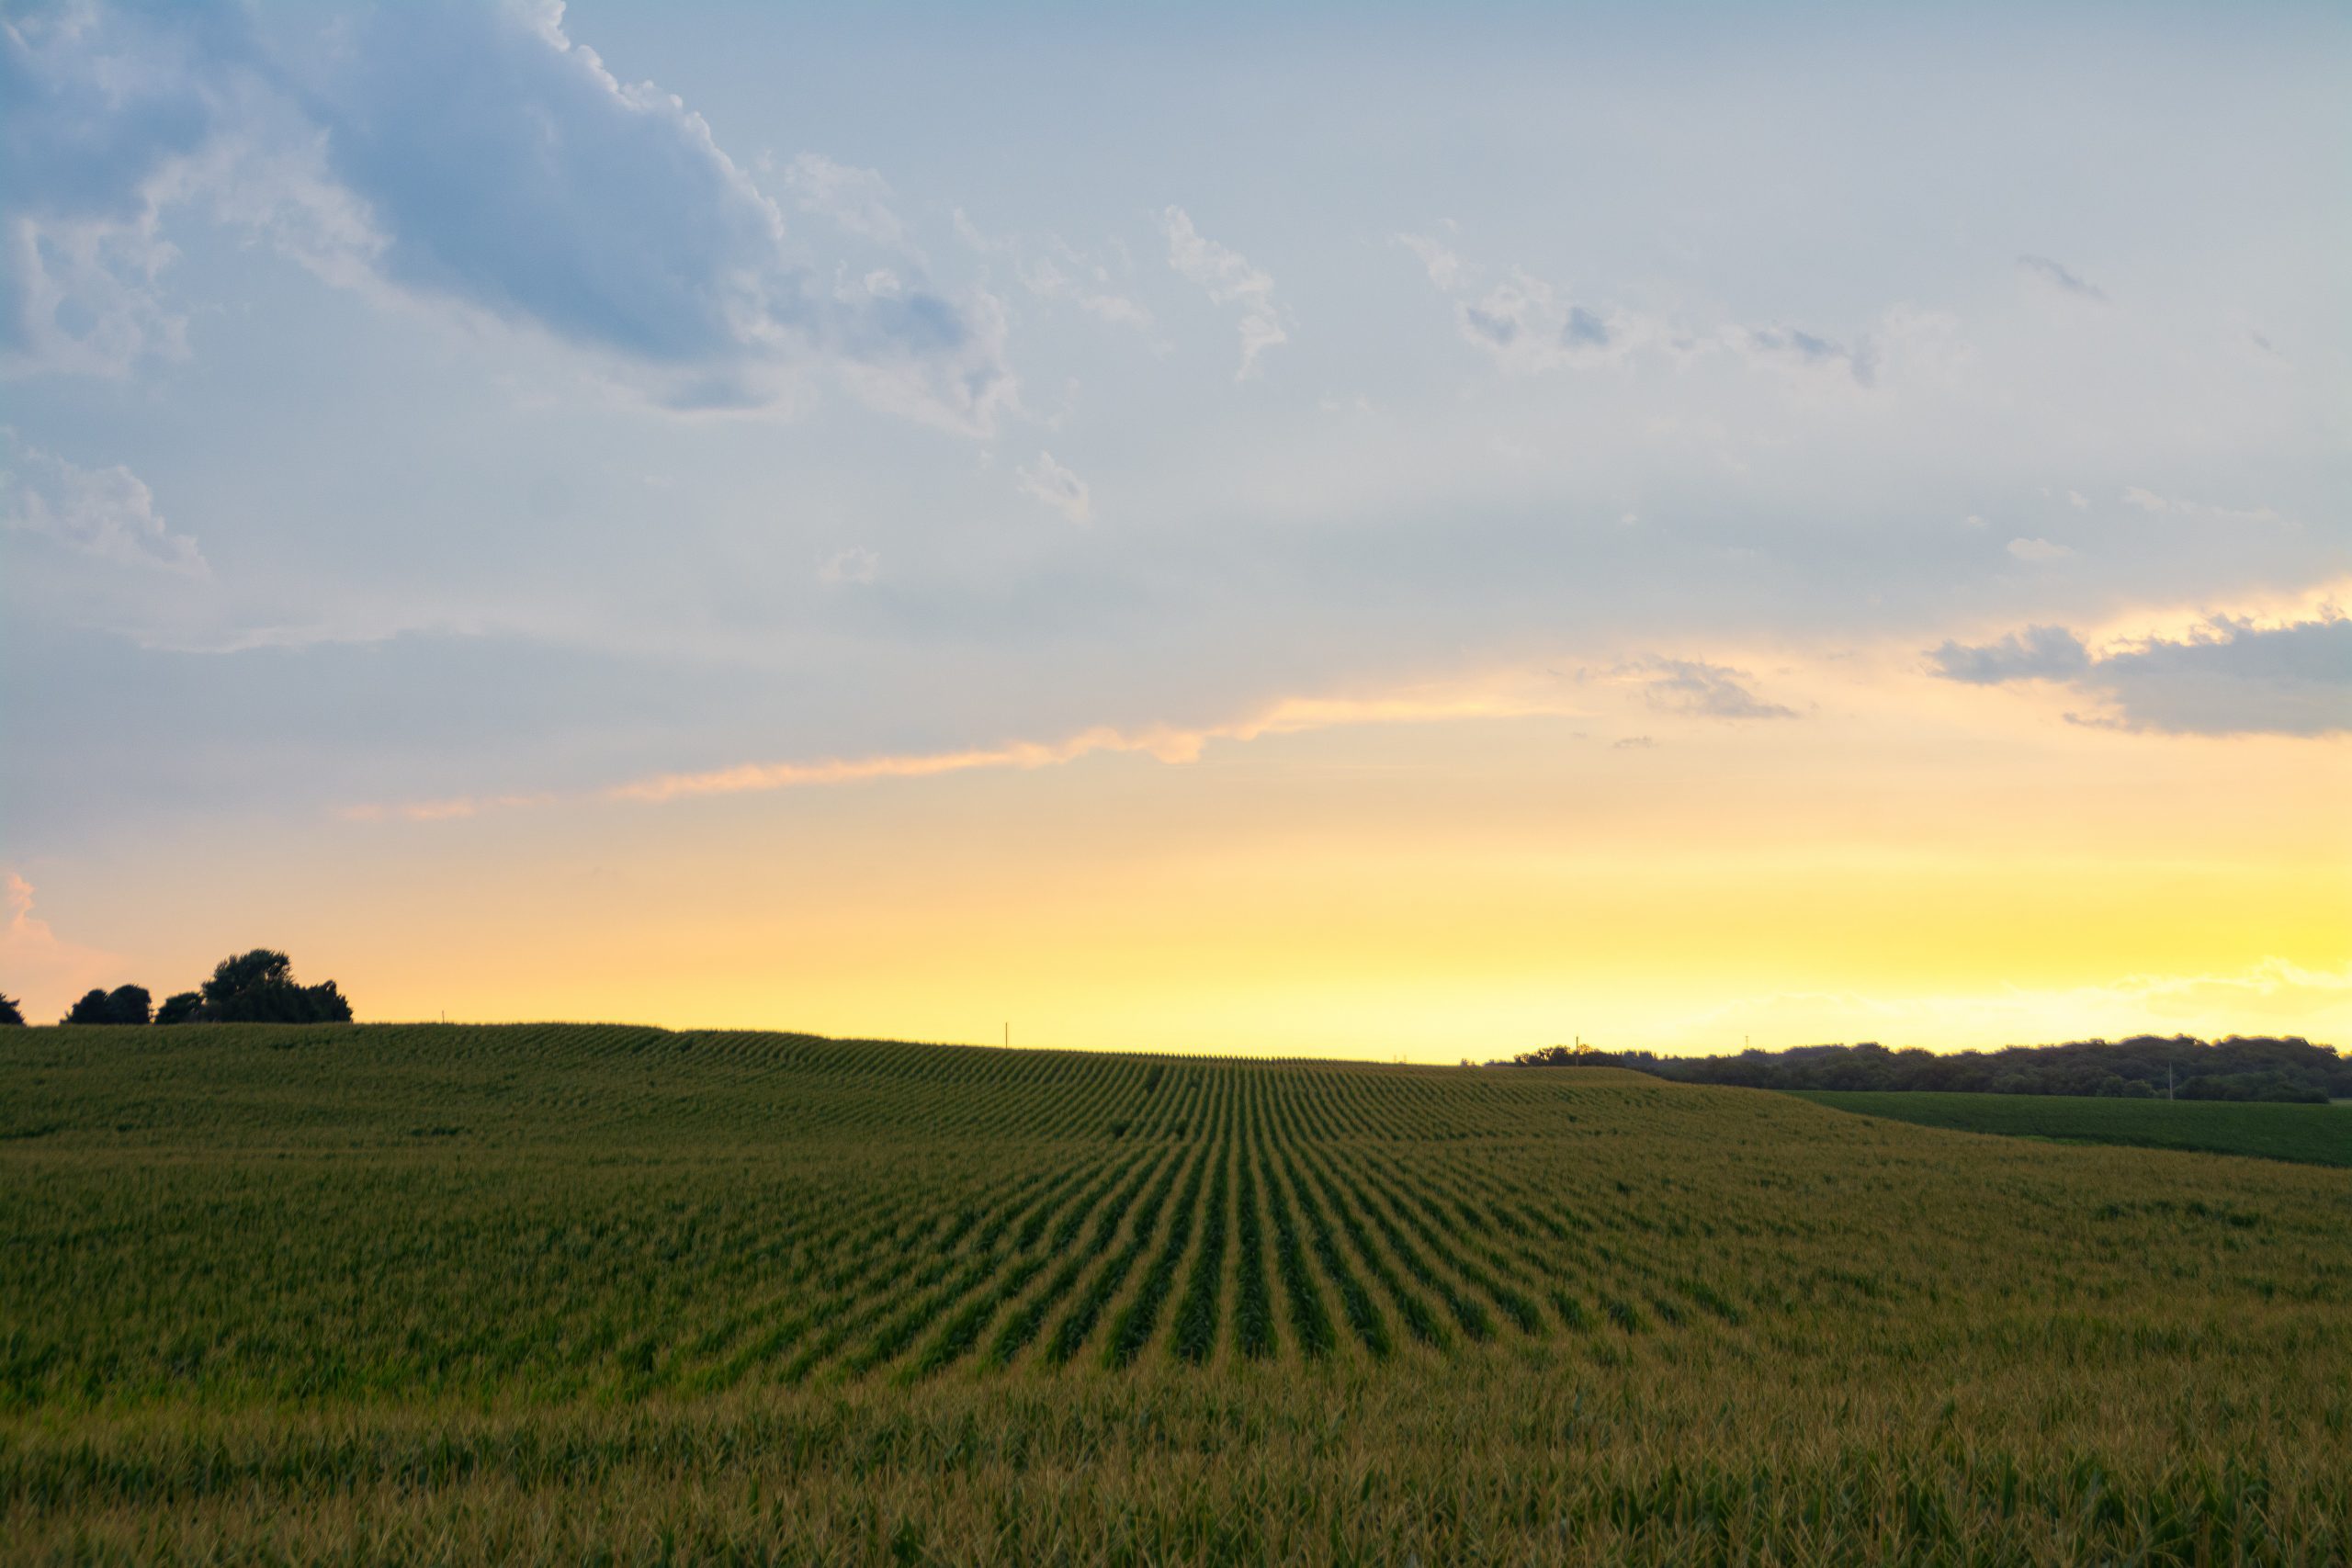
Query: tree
column 259, row 988
column 1579, row 1056
column 183, row 1007
column 124, row 1004
column 11, row 1015
column 2240, row 1068
column 92, row 1009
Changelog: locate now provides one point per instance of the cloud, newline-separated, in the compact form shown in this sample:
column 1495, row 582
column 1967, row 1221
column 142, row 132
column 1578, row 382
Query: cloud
column 2235, row 678
column 2062, row 277
column 2038, row 653
column 2037, row 550
column 2151, row 503
column 97, row 100
column 1063, row 273
column 82, row 299
column 541, row 192
column 1444, row 267
column 2229, row 677
column 1168, row 743
column 1794, row 349
column 39, row 968
column 1050, row 482
column 100, row 111
column 1710, row 691
column 1632, row 743
column 1092, row 293
column 1230, row 279
column 858, row 200
column 107, row 513
column 1523, row 322
column 853, row 564
column 544, row 189
column 2271, row 985
column 1528, row 328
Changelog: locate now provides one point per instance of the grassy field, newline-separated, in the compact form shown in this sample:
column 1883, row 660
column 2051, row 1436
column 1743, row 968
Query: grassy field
column 2319, row 1135
column 561, row 1294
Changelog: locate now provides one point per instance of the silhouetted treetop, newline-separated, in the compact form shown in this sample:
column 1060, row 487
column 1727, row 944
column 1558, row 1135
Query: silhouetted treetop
column 259, row 988
column 2239, row 1067
column 91, row 1009
column 11, row 1014
column 124, row 1004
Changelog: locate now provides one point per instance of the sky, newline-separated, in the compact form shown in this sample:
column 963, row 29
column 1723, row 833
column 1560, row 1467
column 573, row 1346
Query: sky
column 1392, row 532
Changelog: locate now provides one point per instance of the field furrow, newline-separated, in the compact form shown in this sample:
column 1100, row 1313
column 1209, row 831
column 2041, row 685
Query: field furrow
column 301, row 1294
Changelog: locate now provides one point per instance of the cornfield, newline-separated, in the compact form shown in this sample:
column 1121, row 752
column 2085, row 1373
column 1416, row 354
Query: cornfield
column 573, row 1293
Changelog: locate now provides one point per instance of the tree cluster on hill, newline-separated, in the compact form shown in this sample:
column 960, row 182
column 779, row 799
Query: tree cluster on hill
column 2239, row 1067
column 124, row 1004
column 251, row 987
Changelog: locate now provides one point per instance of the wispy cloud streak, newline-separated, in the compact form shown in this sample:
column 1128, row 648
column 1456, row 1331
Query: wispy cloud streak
column 1166, row 743
column 1230, row 279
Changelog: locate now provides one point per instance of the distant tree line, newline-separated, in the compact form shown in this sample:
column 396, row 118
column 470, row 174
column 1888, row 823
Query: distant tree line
column 252, row 988
column 2239, row 1067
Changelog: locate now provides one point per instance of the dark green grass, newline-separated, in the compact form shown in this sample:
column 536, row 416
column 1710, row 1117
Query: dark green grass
column 468, row 1296
column 2314, row 1134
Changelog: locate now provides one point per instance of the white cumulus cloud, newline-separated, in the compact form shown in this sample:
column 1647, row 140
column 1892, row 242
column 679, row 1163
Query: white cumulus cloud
column 542, row 192
column 853, row 564
column 858, row 200
column 108, row 513
column 1230, row 279
column 50, row 970
column 1049, row 482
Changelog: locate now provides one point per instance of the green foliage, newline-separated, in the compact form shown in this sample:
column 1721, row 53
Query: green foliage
column 124, row 1004
column 2321, row 1134
column 259, row 988
column 1254, row 1308
column 326, row 1292
column 1132, row 1329
column 181, row 1007
column 2143, row 1067
column 1196, row 1314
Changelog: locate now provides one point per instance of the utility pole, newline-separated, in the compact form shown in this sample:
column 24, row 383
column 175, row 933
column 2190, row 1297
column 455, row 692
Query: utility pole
column 1008, row 1034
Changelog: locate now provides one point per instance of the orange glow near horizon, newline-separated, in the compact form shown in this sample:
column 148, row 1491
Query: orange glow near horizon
column 1768, row 534
column 1909, row 860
